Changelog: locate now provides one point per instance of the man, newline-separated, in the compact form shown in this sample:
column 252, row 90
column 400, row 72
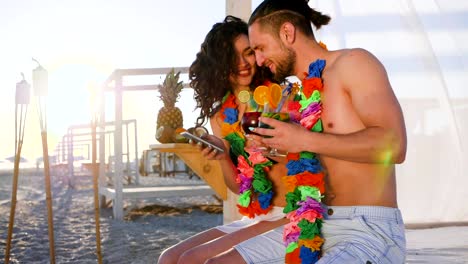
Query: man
column 363, row 133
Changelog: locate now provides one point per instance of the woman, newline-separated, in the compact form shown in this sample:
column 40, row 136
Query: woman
column 224, row 70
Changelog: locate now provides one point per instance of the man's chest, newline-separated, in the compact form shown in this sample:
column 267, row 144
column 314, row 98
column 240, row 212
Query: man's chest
column 338, row 114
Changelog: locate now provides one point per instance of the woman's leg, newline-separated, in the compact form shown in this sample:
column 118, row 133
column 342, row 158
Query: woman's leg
column 208, row 250
column 172, row 254
column 264, row 248
column 230, row 256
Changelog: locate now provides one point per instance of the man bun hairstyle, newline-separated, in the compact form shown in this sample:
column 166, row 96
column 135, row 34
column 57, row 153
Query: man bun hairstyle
column 318, row 19
column 271, row 14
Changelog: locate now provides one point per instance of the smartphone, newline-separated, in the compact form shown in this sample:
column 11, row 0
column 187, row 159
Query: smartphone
column 201, row 140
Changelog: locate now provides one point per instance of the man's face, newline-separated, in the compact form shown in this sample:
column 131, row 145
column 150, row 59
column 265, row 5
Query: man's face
column 271, row 52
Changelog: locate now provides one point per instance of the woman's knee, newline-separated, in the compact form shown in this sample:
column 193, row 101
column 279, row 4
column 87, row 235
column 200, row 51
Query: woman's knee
column 192, row 256
column 213, row 260
column 230, row 256
column 169, row 256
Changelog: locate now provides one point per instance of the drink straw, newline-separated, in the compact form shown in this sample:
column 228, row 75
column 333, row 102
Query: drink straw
column 266, row 108
column 285, row 93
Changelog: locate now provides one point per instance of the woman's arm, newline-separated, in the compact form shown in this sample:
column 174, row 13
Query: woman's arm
column 227, row 166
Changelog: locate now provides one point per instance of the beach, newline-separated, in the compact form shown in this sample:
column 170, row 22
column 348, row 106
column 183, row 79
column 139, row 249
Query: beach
column 139, row 240
column 151, row 225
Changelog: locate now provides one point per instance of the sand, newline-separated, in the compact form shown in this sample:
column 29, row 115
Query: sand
column 146, row 232
column 140, row 240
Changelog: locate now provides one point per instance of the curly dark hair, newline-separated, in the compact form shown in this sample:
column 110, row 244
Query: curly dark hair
column 216, row 60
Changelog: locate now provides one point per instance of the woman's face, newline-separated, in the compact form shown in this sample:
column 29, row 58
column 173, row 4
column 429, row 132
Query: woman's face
column 243, row 74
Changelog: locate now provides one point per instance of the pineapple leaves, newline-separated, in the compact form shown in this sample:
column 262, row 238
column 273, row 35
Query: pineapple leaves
column 169, row 91
column 169, row 116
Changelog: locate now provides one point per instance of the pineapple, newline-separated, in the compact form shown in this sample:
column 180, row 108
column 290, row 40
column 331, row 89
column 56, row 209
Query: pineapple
column 169, row 116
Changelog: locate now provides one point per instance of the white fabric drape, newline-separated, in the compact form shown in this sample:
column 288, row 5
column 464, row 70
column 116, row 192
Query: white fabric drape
column 424, row 47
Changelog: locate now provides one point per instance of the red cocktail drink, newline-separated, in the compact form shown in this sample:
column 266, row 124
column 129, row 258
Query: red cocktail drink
column 250, row 121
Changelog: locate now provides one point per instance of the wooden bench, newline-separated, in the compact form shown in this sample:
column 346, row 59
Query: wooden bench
column 160, row 191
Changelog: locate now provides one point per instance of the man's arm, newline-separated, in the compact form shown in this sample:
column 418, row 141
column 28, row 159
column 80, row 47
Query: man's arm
column 383, row 140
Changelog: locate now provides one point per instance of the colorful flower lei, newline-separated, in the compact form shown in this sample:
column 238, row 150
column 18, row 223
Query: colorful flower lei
column 305, row 179
column 255, row 189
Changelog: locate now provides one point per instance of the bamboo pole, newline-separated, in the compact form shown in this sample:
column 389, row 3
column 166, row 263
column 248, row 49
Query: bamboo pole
column 40, row 83
column 96, row 191
column 50, row 218
column 13, row 201
column 22, row 101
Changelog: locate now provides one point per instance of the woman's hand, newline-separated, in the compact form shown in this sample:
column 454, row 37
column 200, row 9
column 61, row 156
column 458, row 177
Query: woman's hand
column 209, row 152
column 284, row 136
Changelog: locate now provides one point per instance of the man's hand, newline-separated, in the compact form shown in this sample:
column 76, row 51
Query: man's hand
column 254, row 141
column 283, row 136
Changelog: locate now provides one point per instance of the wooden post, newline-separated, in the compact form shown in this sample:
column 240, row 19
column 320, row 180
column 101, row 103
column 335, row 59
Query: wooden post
column 230, row 210
column 14, row 191
column 70, row 160
column 50, row 218
column 102, row 145
column 117, row 206
column 137, row 173
column 95, row 170
column 240, row 9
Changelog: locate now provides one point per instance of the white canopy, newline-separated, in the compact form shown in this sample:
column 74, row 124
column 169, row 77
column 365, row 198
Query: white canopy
column 424, row 47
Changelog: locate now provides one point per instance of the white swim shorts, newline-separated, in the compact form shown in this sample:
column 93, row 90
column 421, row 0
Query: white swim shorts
column 354, row 234
column 275, row 214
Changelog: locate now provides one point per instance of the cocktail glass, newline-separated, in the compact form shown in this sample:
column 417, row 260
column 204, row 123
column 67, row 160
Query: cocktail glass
column 281, row 116
column 250, row 121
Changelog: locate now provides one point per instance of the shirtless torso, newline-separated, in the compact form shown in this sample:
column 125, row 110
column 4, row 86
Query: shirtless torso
column 364, row 132
column 348, row 182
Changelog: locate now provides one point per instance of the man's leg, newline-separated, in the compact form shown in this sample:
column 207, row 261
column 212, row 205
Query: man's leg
column 363, row 234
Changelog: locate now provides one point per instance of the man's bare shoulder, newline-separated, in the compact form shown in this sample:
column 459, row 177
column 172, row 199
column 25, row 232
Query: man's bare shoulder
column 354, row 57
column 358, row 68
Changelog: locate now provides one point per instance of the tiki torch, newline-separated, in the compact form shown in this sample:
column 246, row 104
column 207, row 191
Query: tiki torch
column 21, row 109
column 40, row 84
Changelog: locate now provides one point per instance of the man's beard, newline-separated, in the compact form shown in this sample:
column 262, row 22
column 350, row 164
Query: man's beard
column 285, row 66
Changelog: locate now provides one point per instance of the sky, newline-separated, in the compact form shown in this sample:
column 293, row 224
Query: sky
column 80, row 43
